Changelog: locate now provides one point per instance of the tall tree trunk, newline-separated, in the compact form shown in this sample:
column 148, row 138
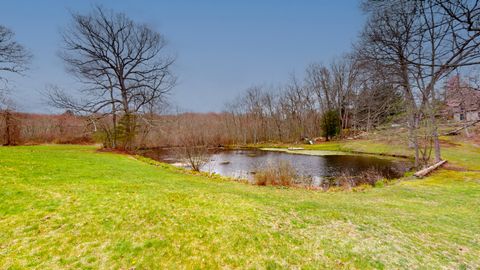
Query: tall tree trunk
column 412, row 132
column 8, row 126
column 436, row 140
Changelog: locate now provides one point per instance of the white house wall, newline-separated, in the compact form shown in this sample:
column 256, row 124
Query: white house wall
column 472, row 116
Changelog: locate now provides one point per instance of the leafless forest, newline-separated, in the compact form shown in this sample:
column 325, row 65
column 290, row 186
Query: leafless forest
column 396, row 73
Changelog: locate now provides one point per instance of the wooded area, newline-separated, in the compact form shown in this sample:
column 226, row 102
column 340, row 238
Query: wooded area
column 395, row 74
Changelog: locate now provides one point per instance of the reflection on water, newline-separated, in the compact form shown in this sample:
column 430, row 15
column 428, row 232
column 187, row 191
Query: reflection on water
column 242, row 164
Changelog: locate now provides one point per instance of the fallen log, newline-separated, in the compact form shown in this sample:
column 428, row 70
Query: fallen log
column 456, row 131
column 428, row 170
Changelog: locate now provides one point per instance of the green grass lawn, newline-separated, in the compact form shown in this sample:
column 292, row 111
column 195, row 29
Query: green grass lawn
column 70, row 207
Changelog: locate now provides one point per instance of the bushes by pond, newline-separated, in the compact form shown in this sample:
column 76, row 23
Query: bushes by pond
column 282, row 173
column 279, row 173
column 348, row 181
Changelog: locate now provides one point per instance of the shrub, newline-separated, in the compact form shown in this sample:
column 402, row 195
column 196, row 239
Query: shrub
column 330, row 124
column 127, row 129
column 369, row 177
column 11, row 128
column 279, row 173
column 195, row 156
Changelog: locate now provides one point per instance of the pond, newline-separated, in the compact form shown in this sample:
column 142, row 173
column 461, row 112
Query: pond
column 243, row 164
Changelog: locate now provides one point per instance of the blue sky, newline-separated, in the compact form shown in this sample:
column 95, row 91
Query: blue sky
column 222, row 47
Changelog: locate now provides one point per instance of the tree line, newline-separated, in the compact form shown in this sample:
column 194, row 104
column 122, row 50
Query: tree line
column 406, row 51
column 337, row 99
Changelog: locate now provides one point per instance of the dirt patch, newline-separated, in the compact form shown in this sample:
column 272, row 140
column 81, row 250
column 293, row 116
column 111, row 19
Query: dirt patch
column 449, row 166
column 448, row 143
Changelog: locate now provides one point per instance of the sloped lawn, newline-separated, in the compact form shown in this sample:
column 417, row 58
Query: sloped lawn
column 71, row 207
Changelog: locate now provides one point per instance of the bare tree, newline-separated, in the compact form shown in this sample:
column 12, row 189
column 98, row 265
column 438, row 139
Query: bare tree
column 299, row 107
column 10, row 124
column 386, row 42
column 122, row 65
column 14, row 58
column 421, row 42
column 319, row 81
column 273, row 110
column 375, row 99
column 193, row 140
column 449, row 39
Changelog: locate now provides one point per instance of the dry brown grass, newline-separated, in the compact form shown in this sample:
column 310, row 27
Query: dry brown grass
column 368, row 177
column 278, row 173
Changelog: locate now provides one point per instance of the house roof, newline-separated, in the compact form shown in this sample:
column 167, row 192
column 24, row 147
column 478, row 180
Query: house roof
column 462, row 98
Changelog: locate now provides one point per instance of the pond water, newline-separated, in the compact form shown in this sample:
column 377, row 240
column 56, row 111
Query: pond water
column 243, row 164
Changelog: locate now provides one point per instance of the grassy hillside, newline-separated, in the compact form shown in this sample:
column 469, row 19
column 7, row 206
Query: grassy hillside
column 72, row 207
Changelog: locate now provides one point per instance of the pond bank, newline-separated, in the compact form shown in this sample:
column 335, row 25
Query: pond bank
column 314, row 168
column 332, row 148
